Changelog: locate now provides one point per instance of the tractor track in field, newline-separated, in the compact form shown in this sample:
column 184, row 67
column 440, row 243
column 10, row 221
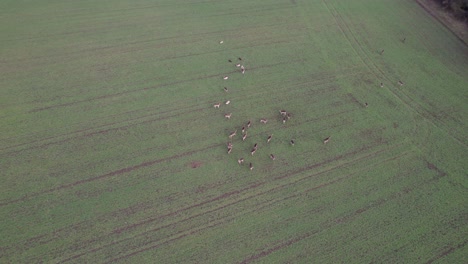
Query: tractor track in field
column 177, row 37
column 447, row 252
column 273, row 202
column 218, row 75
column 328, row 224
column 403, row 97
column 103, row 176
column 243, row 190
column 189, row 110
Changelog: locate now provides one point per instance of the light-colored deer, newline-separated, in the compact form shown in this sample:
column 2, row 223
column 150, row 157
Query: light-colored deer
column 225, row 77
column 228, row 116
column 217, row 105
column 400, row 83
column 269, row 138
column 233, row 134
column 240, row 161
column 238, row 65
column 325, row 141
column 292, row 142
column 244, row 136
column 381, row 84
column 263, row 120
column 255, row 146
column 284, row 120
column 229, row 150
column 226, row 89
column 251, row 166
column 243, row 129
column 272, row 157
column 249, row 124
column 252, row 152
column 283, row 112
column 227, row 102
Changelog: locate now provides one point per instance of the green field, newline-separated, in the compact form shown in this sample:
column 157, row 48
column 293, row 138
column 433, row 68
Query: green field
column 111, row 149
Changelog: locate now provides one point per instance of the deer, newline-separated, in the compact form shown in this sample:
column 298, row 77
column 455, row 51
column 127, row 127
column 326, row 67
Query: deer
column 243, row 71
column 366, row 104
column 284, row 120
column 232, row 134
column 381, row 85
column 240, row 58
column 227, row 102
column 228, row 116
column 229, row 150
column 269, row 138
column 217, row 105
column 283, row 112
column 244, row 136
column 221, row 42
column 252, row 152
column 255, row 146
column 381, row 52
column 403, row 40
column 263, row 120
column 248, row 124
column 226, row 89
column 240, row 161
column 288, row 115
column 238, row 65
column 229, row 145
column 400, row 83
column 243, row 129
column 272, row 157
column 225, row 77
column 292, row 142
column 325, row 141
column 230, row 60
column 251, row 166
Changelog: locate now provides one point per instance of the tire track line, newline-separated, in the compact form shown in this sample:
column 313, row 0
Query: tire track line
column 103, row 176
column 243, row 190
column 272, row 190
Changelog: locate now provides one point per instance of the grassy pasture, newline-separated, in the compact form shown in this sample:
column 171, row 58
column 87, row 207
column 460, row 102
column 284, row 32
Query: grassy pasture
column 111, row 150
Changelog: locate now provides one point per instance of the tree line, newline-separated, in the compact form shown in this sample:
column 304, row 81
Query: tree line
column 459, row 8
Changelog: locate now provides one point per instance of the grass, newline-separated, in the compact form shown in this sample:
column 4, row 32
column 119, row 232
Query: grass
column 105, row 107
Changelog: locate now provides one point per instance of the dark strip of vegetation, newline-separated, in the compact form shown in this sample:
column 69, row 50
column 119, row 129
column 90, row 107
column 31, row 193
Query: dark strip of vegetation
column 459, row 8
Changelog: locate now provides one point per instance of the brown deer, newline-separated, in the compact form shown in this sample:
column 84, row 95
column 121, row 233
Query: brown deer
column 217, row 105
column 248, row 124
column 230, row 60
column 381, row 85
column 243, row 71
column 226, row 89
column 229, row 145
column 240, row 161
column 263, row 120
column 400, row 83
column 272, row 157
column 244, row 136
column 255, row 146
column 284, row 120
column 233, row 134
column 292, row 142
column 269, row 138
column 366, row 104
column 228, row 116
column 251, row 166
column 325, row 141
column 229, row 150
column 252, row 152
column 289, row 115
column 243, row 129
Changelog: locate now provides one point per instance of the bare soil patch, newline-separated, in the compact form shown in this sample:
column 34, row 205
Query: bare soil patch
column 195, row 164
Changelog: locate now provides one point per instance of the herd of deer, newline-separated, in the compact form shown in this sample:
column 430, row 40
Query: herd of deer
column 285, row 116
